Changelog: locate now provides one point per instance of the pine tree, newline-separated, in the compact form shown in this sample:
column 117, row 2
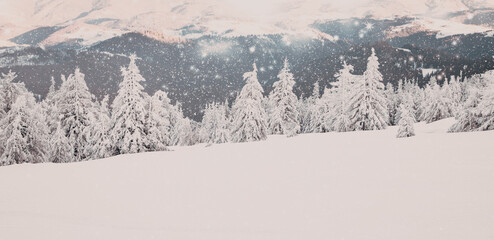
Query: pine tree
column 406, row 118
column 215, row 124
column 469, row 119
column 368, row 109
column 100, row 145
column 22, row 137
column 158, row 121
column 327, row 107
column 249, row 118
column 128, row 121
column 61, row 151
column 9, row 91
column 283, row 117
column 77, row 112
column 341, row 121
column 438, row 104
column 486, row 106
column 309, row 111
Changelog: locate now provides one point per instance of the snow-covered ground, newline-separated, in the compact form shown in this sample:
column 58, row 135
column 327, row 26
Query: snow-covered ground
column 359, row 185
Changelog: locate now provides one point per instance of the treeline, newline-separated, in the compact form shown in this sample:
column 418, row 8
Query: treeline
column 70, row 125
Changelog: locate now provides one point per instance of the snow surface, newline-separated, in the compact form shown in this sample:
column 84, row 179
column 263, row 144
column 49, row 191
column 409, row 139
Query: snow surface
column 429, row 71
column 357, row 185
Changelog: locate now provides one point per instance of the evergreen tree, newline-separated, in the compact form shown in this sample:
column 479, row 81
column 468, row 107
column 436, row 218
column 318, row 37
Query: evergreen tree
column 249, row 118
column 9, row 91
column 341, row 121
column 128, row 121
column 21, row 137
column 309, row 112
column 283, row 117
column 406, row 122
column 215, row 124
column 77, row 112
column 438, row 104
column 327, row 106
column 368, row 109
column 469, row 119
column 486, row 106
column 158, row 121
column 100, row 142
column 61, row 151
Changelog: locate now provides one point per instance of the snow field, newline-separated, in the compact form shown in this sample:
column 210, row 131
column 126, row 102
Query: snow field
column 355, row 185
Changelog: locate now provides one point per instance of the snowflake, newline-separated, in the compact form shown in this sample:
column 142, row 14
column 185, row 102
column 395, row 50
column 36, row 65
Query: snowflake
column 252, row 49
column 369, row 26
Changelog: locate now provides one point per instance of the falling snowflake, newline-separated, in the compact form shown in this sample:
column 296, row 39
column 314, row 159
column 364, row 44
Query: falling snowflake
column 369, row 26
column 252, row 49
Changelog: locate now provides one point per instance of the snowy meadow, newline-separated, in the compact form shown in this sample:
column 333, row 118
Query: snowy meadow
column 357, row 160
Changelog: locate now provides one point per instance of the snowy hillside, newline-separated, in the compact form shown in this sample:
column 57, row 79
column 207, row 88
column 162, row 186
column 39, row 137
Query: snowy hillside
column 357, row 185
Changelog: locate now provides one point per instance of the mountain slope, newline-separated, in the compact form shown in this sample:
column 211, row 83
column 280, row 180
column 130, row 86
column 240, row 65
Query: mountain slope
column 317, row 186
column 235, row 18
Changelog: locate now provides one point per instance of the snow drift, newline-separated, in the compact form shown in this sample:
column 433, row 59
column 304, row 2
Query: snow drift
column 357, row 185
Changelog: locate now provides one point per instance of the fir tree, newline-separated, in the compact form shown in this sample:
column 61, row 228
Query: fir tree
column 438, row 104
column 341, row 121
column 368, row 109
column 406, row 120
column 61, row 151
column 283, row 117
column 486, row 106
column 158, row 121
column 249, row 118
column 309, row 111
column 22, row 137
column 77, row 112
column 469, row 119
column 100, row 142
column 215, row 124
column 128, row 121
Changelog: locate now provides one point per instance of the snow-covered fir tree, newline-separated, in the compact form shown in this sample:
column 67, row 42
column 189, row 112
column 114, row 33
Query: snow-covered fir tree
column 60, row 149
column 367, row 105
column 9, row 91
column 486, row 106
column 22, row 137
column 438, row 104
column 470, row 117
column 158, row 121
column 283, row 115
column 309, row 114
column 406, row 119
column 128, row 113
column 77, row 110
column 327, row 106
column 248, row 115
column 100, row 142
column 215, row 124
column 341, row 121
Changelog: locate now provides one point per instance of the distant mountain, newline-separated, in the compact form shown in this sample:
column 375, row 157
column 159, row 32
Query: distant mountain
column 76, row 23
column 209, row 68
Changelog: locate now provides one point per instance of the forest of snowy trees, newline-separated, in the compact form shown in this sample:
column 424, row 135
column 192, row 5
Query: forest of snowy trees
column 71, row 125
